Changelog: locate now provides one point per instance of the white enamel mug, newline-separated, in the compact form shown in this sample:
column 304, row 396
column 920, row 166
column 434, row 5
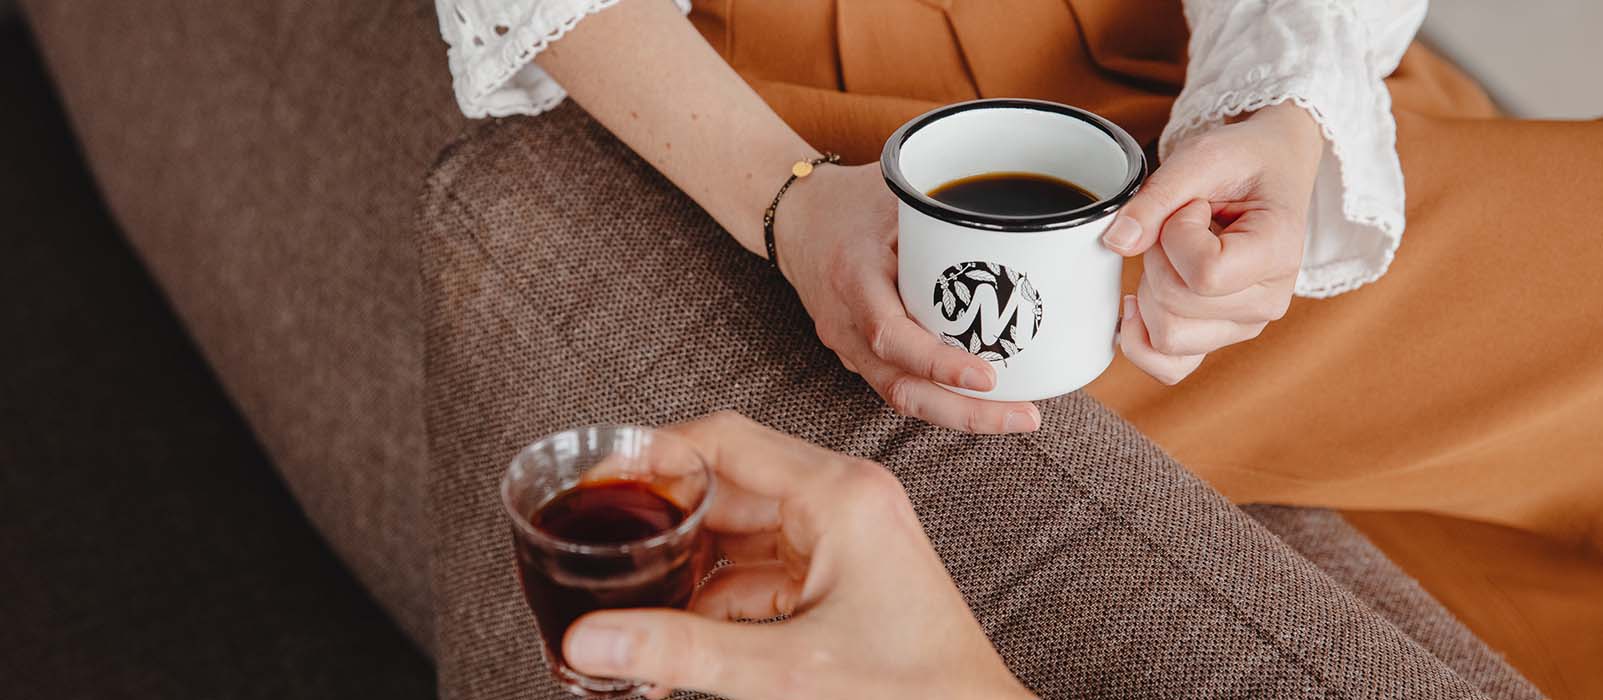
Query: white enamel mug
column 1037, row 296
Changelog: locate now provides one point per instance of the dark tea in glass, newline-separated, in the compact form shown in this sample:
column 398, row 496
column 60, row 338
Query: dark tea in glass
column 605, row 517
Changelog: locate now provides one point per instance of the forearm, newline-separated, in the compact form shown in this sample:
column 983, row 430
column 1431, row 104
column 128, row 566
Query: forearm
column 646, row 74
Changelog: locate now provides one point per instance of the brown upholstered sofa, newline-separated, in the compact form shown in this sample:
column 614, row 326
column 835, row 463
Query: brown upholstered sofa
column 358, row 263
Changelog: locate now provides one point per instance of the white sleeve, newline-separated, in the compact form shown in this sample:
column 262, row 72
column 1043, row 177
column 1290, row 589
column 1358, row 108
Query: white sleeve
column 1328, row 57
column 492, row 44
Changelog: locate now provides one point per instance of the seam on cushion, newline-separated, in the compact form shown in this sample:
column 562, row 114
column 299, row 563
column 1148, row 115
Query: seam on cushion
column 511, row 280
column 1251, row 621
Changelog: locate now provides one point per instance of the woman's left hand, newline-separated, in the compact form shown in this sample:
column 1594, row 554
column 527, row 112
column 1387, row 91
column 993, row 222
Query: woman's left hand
column 1220, row 225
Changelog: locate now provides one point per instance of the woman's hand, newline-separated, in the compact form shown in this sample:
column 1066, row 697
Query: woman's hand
column 632, row 68
column 836, row 234
column 832, row 542
column 1221, row 226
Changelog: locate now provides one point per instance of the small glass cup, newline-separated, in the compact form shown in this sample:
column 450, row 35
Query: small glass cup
column 565, row 577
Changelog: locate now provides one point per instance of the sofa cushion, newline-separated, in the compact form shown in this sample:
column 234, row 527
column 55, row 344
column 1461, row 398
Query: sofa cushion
column 566, row 283
column 264, row 159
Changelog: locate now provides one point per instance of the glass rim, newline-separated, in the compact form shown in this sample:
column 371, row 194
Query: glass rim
column 691, row 521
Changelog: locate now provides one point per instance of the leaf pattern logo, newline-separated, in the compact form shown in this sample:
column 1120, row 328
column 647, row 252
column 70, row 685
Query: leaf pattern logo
column 988, row 309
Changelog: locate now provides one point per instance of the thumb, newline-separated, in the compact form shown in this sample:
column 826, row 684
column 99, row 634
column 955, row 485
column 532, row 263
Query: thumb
column 1170, row 187
column 674, row 649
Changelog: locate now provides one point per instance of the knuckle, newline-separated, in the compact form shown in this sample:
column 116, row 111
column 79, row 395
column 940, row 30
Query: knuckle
column 899, row 394
column 879, row 337
column 1166, row 338
column 1171, row 372
column 726, row 419
column 872, row 477
column 872, row 490
column 1279, row 308
column 973, row 423
column 1210, row 279
column 1157, row 192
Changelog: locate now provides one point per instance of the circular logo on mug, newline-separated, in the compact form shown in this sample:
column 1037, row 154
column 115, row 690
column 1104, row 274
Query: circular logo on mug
column 990, row 310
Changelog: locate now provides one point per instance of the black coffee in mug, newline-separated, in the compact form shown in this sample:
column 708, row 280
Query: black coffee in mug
column 1013, row 194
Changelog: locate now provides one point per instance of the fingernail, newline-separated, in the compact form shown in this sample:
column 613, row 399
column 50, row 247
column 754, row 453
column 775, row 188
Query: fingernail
column 1020, row 422
column 1129, row 307
column 1122, row 234
column 976, row 379
column 599, row 647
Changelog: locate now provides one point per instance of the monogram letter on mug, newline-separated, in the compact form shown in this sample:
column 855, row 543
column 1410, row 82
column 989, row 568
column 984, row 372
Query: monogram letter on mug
column 1003, row 205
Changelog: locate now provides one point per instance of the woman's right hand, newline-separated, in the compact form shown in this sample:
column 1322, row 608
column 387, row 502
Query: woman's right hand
column 836, row 234
column 827, row 539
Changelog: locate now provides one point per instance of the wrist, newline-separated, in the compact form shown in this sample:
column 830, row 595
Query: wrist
column 746, row 191
column 1301, row 130
column 794, row 210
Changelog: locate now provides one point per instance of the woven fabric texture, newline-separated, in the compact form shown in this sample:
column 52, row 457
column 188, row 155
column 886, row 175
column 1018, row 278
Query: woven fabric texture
column 1345, row 555
column 264, row 159
column 567, row 283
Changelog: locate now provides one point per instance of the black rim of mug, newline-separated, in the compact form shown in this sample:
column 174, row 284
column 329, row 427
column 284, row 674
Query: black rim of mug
column 890, row 166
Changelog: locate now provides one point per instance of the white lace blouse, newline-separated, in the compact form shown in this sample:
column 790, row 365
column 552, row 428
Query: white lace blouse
column 1327, row 56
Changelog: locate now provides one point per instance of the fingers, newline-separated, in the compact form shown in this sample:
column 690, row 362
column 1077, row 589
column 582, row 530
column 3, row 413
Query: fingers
column 920, row 398
column 674, row 649
column 1178, row 336
column 1191, row 173
column 1257, row 246
column 1266, row 301
column 901, row 342
column 737, row 512
column 753, row 457
column 748, row 592
column 1199, row 294
column 1137, row 347
column 781, row 483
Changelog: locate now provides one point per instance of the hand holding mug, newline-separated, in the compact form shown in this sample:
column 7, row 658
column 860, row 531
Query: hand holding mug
column 836, row 233
column 827, row 539
column 1220, row 227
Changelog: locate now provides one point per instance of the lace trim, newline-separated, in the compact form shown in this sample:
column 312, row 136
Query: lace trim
column 1337, row 276
column 1353, row 112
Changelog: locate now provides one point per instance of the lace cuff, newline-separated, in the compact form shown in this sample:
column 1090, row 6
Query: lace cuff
column 1328, row 59
column 492, row 48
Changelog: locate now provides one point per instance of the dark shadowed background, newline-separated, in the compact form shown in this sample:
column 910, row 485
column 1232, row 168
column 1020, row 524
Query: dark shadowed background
column 147, row 547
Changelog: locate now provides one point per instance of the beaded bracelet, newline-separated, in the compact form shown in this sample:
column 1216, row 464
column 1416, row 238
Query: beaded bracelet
column 801, row 169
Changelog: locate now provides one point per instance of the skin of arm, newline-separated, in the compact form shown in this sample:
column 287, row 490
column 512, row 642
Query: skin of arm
column 647, row 75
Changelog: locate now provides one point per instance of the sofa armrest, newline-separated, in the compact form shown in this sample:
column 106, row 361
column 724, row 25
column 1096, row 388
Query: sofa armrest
column 567, row 283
